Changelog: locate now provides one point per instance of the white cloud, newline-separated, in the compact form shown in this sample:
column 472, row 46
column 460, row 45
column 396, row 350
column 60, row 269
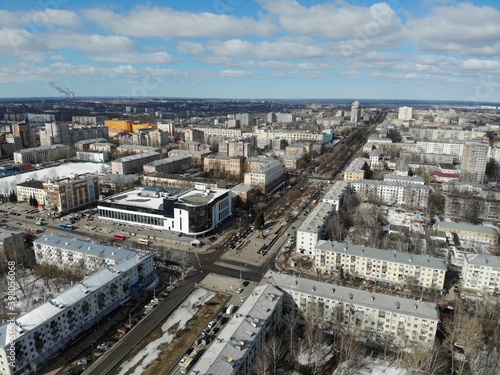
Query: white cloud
column 92, row 43
column 167, row 23
column 266, row 50
column 236, row 73
column 32, row 21
column 135, row 58
column 363, row 28
column 190, row 48
column 464, row 29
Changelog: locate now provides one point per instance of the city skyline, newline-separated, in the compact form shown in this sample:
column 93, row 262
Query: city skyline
column 287, row 49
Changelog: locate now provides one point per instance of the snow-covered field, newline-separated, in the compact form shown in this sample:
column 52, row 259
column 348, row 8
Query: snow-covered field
column 8, row 183
column 371, row 366
column 180, row 316
column 412, row 221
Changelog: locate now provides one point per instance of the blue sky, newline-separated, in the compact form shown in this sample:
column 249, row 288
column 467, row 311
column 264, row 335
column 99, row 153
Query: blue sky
column 398, row 49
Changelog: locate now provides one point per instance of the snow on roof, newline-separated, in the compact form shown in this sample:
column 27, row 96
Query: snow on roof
column 386, row 255
column 86, row 247
column 67, row 299
column 234, row 341
column 359, row 297
column 483, row 260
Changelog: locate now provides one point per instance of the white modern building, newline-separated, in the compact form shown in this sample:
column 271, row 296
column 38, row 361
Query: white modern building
column 39, row 334
column 375, row 317
column 481, row 272
column 238, row 346
column 380, row 265
column 66, row 252
column 192, row 212
column 356, row 112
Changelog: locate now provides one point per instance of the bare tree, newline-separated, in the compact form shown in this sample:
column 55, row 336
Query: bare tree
column 275, row 350
column 420, row 361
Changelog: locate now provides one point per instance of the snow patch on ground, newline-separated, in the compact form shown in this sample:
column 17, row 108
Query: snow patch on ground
column 180, row 316
column 321, row 355
column 370, row 366
column 8, row 183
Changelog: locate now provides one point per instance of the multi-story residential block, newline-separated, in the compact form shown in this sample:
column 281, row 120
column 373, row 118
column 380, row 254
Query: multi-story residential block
column 471, row 202
column 194, row 135
column 379, row 318
column 192, row 212
column 481, row 272
column 447, row 148
column 219, row 132
column 39, row 334
column 433, row 134
column 263, row 174
column 356, row 170
column 11, row 243
column 68, row 253
column 405, row 113
column 42, row 154
column 337, row 194
column 71, row 192
column 380, row 265
column 136, row 149
column 190, row 146
column 297, row 136
column 110, row 184
column 238, row 147
column 469, row 232
column 396, row 193
column 31, row 189
column 241, row 342
column 85, row 144
column 174, row 164
column 245, row 119
column 54, row 133
column 392, row 177
column 150, row 138
column 474, row 159
column 88, row 120
column 314, row 228
column 133, row 163
column 356, row 112
column 221, row 164
column 197, row 157
column 291, row 162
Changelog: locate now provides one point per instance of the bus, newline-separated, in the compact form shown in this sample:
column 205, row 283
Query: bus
column 119, row 237
column 66, row 226
column 142, row 241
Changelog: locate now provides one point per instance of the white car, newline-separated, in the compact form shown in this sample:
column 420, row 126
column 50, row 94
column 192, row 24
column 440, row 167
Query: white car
column 82, row 361
column 102, row 346
column 239, row 290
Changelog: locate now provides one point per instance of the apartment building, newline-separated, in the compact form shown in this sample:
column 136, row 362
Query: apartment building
column 39, row 334
column 474, row 159
column 393, row 193
column 71, row 192
column 219, row 132
column 42, row 154
column 433, row 134
column 380, row 265
column 481, row 272
column 238, row 146
column 31, row 188
column 290, row 162
column 443, row 147
column 54, row 133
column 221, row 164
column 469, row 232
column 314, row 228
column 376, row 317
column 136, row 149
column 297, row 136
column 240, row 343
column 356, row 170
column 133, row 163
column 96, row 157
column 174, row 164
column 11, row 243
column 263, row 174
column 392, row 177
column 197, row 157
column 68, row 253
column 337, row 194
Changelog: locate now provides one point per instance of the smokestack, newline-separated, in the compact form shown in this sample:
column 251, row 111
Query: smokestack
column 53, row 85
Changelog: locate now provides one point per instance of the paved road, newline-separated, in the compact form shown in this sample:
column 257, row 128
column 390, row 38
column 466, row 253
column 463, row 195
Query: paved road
column 122, row 348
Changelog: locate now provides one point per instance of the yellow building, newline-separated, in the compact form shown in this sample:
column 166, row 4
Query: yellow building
column 117, row 126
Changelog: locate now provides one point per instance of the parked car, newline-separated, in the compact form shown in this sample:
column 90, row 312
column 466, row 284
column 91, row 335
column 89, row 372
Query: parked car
column 239, row 290
column 102, row 346
column 82, row 361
